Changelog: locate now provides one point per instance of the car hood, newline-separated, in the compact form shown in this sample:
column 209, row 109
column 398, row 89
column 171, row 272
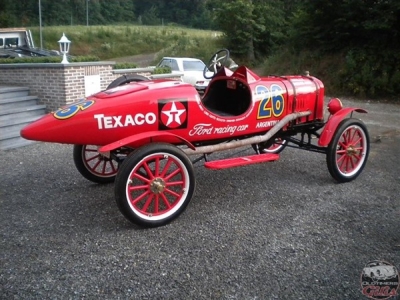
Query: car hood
column 109, row 115
column 138, row 86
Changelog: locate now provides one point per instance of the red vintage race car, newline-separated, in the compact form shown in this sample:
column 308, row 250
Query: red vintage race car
column 141, row 133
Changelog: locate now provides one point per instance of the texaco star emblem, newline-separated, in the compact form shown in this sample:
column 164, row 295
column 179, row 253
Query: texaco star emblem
column 173, row 114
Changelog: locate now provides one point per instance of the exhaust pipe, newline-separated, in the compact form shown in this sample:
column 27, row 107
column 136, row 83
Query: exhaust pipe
column 253, row 140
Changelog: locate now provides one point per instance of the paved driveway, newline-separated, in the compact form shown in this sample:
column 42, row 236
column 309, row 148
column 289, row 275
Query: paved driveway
column 283, row 230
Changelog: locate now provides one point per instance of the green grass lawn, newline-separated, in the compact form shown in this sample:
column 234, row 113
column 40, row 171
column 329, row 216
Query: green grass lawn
column 114, row 41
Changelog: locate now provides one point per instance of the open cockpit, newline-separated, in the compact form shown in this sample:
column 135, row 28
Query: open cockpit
column 227, row 97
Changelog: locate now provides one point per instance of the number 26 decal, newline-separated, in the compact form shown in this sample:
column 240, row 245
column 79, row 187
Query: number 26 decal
column 272, row 103
column 72, row 109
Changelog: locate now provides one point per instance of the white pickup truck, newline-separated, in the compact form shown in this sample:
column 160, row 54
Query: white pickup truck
column 18, row 42
column 15, row 37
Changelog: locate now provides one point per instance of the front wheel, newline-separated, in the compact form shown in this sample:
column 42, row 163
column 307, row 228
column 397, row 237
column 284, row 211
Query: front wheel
column 348, row 150
column 94, row 166
column 154, row 185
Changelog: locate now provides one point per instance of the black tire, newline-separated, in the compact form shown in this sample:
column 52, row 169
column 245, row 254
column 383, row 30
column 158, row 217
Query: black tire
column 348, row 150
column 125, row 79
column 154, row 185
column 274, row 147
column 94, row 166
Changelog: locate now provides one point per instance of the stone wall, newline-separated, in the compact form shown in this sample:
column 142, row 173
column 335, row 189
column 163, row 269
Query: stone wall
column 59, row 84
column 56, row 84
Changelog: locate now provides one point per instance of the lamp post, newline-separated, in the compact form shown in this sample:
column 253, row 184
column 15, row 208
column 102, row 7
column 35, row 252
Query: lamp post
column 40, row 25
column 64, row 48
column 87, row 12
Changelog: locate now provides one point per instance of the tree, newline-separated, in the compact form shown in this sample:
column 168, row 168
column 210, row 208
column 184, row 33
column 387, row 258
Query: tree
column 251, row 27
column 235, row 19
column 364, row 33
column 151, row 17
column 7, row 19
column 335, row 24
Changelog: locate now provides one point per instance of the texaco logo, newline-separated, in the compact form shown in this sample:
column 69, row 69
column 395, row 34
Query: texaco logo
column 173, row 114
column 379, row 280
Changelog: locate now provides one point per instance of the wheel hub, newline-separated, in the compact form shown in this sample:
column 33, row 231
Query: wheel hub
column 157, row 186
column 104, row 158
column 351, row 151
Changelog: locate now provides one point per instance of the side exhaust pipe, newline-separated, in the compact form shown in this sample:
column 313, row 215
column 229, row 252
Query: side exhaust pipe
column 253, row 140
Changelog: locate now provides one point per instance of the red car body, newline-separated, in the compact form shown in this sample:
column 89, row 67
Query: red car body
column 138, row 126
column 167, row 106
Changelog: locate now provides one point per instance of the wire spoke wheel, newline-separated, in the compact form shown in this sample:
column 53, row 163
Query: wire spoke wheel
column 348, row 151
column 154, row 185
column 275, row 147
column 93, row 165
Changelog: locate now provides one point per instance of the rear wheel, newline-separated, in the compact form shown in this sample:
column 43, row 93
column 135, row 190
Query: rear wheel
column 125, row 79
column 94, row 166
column 154, row 185
column 276, row 146
column 348, row 150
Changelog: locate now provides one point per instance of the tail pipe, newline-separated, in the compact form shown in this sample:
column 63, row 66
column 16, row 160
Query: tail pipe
column 253, row 140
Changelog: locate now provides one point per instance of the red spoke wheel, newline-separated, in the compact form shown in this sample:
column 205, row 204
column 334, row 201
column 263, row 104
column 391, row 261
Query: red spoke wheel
column 154, row 184
column 348, row 150
column 276, row 146
column 94, row 166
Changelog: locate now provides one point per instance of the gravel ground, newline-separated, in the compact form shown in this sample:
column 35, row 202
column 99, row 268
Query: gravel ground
column 283, row 230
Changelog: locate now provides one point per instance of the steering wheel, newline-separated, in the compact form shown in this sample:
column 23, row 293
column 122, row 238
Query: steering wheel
column 217, row 60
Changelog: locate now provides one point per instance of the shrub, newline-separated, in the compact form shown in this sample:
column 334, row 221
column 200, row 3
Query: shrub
column 46, row 59
column 125, row 66
column 366, row 74
column 162, row 70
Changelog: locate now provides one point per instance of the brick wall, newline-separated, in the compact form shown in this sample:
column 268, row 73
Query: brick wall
column 56, row 84
column 59, row 84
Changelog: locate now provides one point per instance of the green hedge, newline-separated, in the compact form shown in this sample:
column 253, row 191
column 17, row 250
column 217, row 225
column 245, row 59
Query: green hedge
column 47, row 59
column 58, row 59
column 162, row 70
column 125, row 66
